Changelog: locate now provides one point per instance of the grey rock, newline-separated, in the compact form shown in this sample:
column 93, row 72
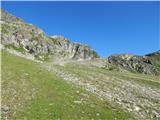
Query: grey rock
column 17, row 34
column 5, row 109
column 140, row 64
column 7, row 17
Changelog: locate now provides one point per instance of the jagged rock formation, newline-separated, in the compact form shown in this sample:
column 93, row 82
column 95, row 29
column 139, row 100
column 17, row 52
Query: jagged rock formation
column 27, row 38
column 134, row 63
column 74, row 50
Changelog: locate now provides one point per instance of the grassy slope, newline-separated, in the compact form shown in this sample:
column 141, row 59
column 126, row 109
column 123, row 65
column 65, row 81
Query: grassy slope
column 33, row 93
column 132, row 89
column 89, row 70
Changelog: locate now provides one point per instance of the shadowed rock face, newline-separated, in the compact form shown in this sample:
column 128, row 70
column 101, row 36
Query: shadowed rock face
column 29, row 39
column 141, row 64
column 155, row 58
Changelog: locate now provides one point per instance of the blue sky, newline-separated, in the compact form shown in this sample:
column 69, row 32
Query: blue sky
column 108, row 27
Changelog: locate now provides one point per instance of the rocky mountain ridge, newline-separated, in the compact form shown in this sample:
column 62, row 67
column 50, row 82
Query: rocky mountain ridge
column 33, row 42
column 26, row 38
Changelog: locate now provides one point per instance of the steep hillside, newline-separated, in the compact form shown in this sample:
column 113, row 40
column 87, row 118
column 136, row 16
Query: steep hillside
column 27, row 38
column 38, row 91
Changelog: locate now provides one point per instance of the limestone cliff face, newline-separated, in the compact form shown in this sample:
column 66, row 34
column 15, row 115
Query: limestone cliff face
column 27, row 38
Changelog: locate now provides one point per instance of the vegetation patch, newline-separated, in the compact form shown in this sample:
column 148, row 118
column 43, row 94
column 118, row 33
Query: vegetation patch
column 5, row 28
column 12, row 46
column 43, row 57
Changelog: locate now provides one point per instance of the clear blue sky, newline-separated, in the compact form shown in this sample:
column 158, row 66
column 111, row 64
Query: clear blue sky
column 108, row 27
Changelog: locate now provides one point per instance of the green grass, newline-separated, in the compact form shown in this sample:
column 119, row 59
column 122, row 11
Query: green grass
column 12, row 46
column 119, row 83
column 33, row 93
column 87, row 71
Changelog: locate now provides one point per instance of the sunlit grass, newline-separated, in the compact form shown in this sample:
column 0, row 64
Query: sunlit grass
column 33, row 93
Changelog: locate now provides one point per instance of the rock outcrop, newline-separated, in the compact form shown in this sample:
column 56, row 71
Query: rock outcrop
column 75, row 50
column 27, row 38
column 134, row 63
